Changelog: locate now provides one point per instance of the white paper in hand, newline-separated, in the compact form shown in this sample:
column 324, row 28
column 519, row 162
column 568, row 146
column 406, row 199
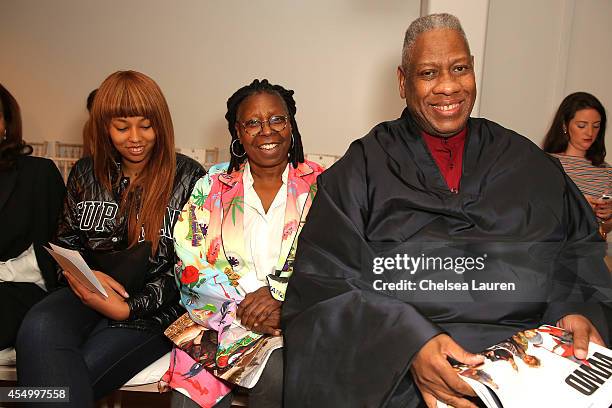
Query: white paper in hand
column 72, row 262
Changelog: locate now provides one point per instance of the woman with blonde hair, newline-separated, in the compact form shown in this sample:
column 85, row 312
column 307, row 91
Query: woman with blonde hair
column 119, row 213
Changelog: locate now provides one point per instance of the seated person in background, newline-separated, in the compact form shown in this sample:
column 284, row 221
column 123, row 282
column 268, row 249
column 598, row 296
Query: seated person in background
column 235, row 242
column 438, row 182
column 31, row 196
column 132, row 189
column 577, row 138
column 86, row 128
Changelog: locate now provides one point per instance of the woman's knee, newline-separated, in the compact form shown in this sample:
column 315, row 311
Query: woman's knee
column 48, row 322
column 39, row 325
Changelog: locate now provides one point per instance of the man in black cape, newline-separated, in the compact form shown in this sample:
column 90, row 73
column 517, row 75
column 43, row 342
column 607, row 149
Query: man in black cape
column 436, row 185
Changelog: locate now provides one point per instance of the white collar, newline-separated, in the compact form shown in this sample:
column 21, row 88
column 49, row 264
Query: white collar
column 247, row 177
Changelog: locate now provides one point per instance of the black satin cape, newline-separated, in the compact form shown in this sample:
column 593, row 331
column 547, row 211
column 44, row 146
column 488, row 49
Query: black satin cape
column 350, row 346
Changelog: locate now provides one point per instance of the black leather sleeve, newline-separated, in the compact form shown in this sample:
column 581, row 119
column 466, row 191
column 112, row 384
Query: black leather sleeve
column 159, row 300
column 68, row 232
column 157, row 293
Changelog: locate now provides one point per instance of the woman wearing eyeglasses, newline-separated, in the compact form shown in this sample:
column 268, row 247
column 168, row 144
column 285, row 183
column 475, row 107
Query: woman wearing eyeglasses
column 235, row 241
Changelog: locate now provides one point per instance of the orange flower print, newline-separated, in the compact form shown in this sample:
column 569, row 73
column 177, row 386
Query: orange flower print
column 213, row 251
column 232, row 276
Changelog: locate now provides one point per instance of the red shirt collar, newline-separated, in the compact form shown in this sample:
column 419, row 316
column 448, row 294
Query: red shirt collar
column 448, row 155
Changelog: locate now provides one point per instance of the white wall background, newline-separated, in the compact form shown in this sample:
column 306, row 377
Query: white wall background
column 590, row 56
column 537, row 52
column 338, row 55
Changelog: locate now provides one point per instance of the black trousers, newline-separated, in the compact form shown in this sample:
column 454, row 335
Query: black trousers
column 63, row 343
column 267, row 393
column 16, row 299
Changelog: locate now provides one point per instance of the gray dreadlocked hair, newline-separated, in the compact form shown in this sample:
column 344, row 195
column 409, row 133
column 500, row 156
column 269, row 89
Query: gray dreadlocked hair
column 427, row 23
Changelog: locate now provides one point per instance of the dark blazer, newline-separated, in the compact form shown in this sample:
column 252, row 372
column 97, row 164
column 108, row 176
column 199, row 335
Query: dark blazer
column 31, row 197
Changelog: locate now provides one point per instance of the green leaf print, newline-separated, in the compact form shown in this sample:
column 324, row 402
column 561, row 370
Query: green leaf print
column 312, row 191
column 237, row 202
column 198, row 197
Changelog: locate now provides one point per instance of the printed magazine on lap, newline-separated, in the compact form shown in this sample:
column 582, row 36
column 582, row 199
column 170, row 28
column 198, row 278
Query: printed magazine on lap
column 537, row 368
column 241, row 362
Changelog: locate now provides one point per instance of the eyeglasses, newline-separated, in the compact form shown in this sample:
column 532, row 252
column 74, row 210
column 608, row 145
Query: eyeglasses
column 255, row 126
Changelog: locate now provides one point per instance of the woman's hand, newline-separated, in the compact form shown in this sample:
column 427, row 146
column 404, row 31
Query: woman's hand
column 592, row 201
column 603, row 209
column 256, row 310
column 114, row 307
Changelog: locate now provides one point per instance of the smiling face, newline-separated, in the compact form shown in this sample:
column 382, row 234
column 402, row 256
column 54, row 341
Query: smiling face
column 134, row 139
column 439, row 84
column 268, row 148
column 583, row 129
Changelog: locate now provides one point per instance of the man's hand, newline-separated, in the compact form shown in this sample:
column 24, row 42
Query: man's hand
column 256, row 308
column 114, row 307
column 436, row 378
column 583, row 331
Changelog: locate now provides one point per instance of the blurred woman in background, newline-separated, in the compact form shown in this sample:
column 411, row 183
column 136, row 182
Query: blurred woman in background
column 577, row 138
column 31, row 196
